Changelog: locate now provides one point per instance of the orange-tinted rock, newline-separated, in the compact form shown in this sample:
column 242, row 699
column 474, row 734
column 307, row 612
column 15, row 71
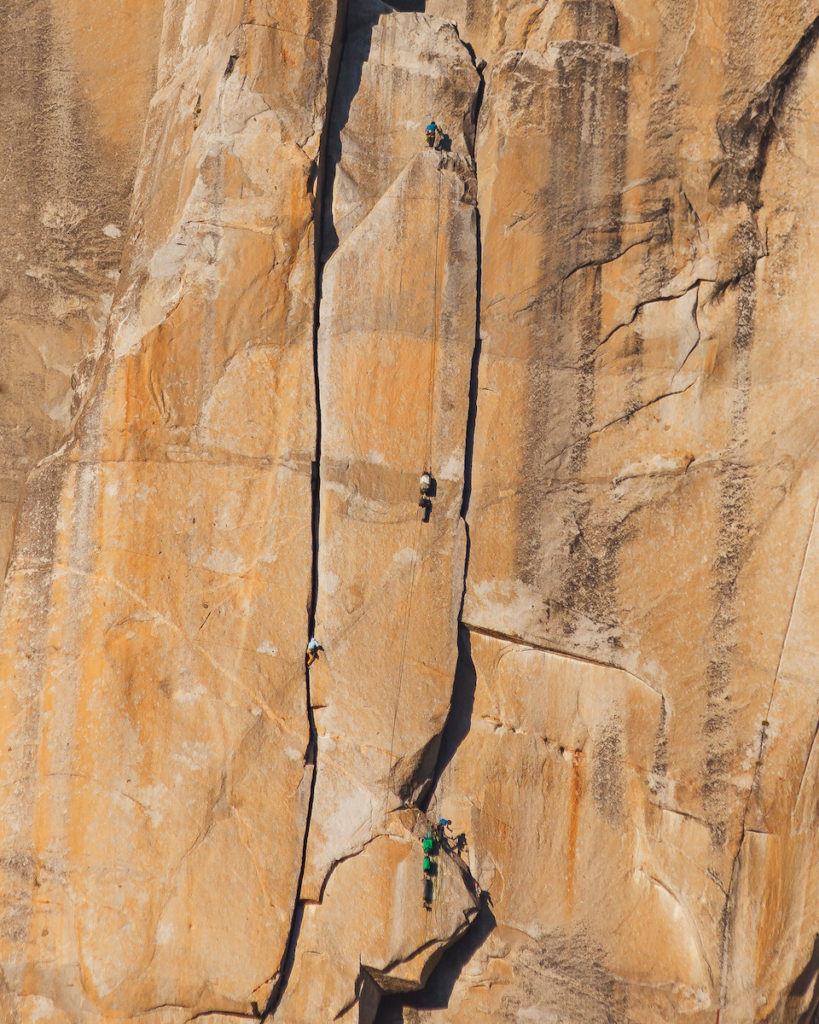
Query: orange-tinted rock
column 155, row 790
column 390, row 584
column 628, row 750
column 396, row 338
column 77, row 81
column 643, row 493
column 372, row 932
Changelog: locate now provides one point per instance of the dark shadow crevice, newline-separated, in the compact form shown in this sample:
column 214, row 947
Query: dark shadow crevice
column 441, row 982
column 437, row 992
column 323, row 182
column 459, row 720
column 747, row 140
column 472, row 409
column 408, row 6
column 359, row 21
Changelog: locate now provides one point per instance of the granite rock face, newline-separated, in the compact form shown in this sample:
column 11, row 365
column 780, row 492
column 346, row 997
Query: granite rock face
column 244, row 309
column 155, row 789
column 77, row 82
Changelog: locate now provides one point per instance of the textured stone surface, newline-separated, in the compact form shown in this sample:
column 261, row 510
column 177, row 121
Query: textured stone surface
column 371, row 933
column 598, row 658
column 395, row 337
column 155, row 789
column 390, row 584
column 644, row 484
column 77, row 81
column 398, row 72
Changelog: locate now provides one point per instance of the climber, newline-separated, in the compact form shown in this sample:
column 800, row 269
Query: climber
column 442, row 826
column 428, row 843
column 432, row 134
column 428, row 891
column 313, row 647
column 426, row 487
column 427, row 866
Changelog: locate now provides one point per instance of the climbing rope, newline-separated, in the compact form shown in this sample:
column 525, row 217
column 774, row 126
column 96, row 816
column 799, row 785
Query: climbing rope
column 433, row 369
column 433, row 366
column 408, row 612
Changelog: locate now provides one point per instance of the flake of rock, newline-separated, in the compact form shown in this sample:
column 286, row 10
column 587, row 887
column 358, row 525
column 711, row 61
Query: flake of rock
column 400, row 71
column 390, row 583
column 372, row 932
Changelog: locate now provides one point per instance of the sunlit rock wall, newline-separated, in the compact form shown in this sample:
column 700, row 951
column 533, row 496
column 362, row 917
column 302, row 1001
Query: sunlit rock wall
column 77, row 80
column 589, row 316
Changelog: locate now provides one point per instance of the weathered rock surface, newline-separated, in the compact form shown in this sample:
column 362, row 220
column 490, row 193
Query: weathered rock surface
column 77, row 81
column 631, row 499
column 383, row 571
column 590, row 319
column 398, row 71
column 399, row 343
column 155, row 789
column 371, row 933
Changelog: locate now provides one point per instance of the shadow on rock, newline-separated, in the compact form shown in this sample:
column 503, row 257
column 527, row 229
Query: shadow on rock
column 438, row 989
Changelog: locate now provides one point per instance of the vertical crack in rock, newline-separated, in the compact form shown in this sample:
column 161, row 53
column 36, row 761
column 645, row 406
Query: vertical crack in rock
column 747, row 143
column 476, row 352
column 311, row 753
column 389, row 586
column 441, row 981
column 455, row 726
column 168, row 706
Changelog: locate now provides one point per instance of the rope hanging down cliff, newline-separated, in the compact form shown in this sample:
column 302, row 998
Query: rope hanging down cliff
column 420, row 519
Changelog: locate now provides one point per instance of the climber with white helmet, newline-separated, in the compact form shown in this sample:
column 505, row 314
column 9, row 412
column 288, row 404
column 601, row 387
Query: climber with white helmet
column 313, row 647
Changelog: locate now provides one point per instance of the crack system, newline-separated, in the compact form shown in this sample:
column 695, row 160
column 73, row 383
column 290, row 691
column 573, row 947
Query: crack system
column 324, row 245
column 747, row 141
column 457, row 954
column 321, row 175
